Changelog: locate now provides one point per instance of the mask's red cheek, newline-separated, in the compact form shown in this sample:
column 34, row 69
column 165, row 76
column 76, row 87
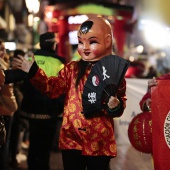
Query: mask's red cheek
column 95, row 52
column 79, row 51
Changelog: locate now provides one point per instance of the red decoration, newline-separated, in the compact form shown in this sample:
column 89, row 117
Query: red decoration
column 63, row 37
column 119, row 35
column 140, row 132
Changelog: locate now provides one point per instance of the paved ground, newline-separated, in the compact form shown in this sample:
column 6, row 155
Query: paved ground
column 55, row 161
column 128, row 159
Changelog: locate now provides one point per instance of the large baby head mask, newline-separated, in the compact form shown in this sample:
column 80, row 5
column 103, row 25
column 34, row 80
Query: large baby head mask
column 95, row 39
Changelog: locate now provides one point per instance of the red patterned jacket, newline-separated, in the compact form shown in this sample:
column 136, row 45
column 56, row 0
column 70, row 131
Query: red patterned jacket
column 93, row 136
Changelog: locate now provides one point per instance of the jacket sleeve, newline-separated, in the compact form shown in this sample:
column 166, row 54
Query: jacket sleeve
column 53, row 86
column 12, row 76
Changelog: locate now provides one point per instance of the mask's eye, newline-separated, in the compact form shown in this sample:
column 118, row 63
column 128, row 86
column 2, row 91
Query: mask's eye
column 80, row 42
column 93, row 42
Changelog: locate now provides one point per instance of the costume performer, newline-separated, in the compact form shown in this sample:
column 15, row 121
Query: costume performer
column 84, row 142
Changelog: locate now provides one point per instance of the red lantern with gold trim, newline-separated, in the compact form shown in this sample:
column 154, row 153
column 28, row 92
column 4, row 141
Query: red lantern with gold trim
column 140, row 132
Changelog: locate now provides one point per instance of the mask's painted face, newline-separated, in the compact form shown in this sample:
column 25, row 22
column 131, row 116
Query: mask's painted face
column 92, row 40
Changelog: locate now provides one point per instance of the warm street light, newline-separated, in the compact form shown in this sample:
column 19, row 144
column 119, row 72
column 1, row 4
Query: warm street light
column 33, row 8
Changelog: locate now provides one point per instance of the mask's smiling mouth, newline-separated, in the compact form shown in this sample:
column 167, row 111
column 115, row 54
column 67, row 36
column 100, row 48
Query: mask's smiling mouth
column 86, row 53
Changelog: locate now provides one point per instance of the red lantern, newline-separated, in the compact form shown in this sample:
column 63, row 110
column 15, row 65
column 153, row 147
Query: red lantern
column 140, row 132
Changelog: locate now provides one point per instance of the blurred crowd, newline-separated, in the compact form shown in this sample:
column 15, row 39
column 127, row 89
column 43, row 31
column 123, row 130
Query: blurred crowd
column 10, row 100
column 28, row 118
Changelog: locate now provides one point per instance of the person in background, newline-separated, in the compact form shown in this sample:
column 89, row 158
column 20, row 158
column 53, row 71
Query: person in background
column 85, row 143
column 8, row 106
column 40, row 110
column 151, row 72
column 145, row 102
column 19, row 124
column 135, row 70
column 2, row 127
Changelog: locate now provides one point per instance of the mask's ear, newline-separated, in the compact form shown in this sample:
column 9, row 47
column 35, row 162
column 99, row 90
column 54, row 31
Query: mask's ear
column 108, row 41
